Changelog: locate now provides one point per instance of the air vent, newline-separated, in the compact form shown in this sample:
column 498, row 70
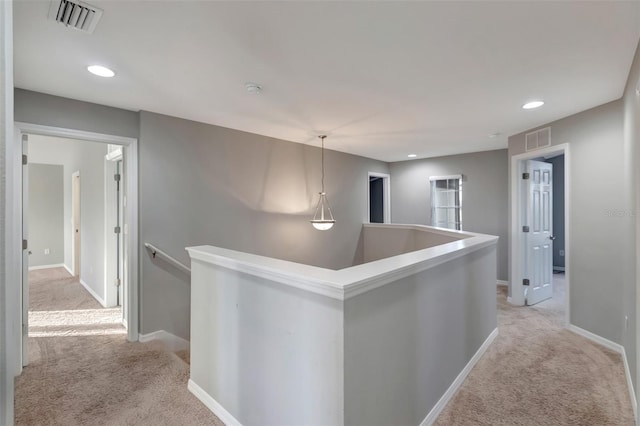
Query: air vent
column 75, row 14
column 538, row 139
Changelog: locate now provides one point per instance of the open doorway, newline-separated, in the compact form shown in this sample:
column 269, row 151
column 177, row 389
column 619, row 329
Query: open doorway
column 378, row 198
column 540, row 224
column 71, row 191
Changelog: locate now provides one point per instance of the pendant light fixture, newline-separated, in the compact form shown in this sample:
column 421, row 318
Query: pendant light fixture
column 323, row 219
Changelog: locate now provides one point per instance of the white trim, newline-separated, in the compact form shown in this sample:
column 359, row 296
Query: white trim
column 57, row 265
column 515, row 237
column 446, row 177
column 131, row 224
column 60, row 132
column 449, row 394
column 595, row 338
column 503, row 283
column 386, row 201
column 172, row 342
column 93, row 293
column 74, row 267
column 64, row 265
column 349, row 282
column 213, row 405
column 616, row 347
column 632, row 392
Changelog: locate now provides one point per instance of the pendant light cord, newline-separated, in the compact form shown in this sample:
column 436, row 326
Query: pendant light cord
column 322, row 139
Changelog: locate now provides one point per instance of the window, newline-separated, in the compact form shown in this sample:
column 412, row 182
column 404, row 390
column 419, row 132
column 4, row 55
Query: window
column 446, row 201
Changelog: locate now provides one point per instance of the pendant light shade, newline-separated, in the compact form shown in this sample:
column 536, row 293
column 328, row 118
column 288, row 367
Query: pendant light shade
column 323, row 219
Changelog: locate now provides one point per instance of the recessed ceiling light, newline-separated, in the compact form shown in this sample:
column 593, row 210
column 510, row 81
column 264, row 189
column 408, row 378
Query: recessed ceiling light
column 532, row 105
column 412, row 155
column 253, row 88
column 100, row 71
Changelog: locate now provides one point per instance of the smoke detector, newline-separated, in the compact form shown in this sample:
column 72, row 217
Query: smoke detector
column 75, row 14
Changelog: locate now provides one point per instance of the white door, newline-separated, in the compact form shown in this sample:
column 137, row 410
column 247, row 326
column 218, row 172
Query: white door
column 538, row 232
column 25, row 251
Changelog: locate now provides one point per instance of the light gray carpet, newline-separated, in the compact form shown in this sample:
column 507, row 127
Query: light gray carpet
column 82, row 371
column 538, row 373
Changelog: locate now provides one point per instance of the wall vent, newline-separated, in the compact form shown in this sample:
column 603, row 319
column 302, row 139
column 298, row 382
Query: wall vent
column 75, row 14
column 538, row 139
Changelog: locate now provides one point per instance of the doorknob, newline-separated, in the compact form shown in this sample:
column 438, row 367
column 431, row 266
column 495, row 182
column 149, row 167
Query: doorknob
column 551, row 237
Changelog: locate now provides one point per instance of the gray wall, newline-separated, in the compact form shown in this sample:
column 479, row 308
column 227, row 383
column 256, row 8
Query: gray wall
column 46, row 214
column 484, row 194
column 416, row 334
column 203, row 184
column 631, row 101
column 558, row 209
column 48, row 110
column 599, row 245
column 380, row 242
column 88, row 158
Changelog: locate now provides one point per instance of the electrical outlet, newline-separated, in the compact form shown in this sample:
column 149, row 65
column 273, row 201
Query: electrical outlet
column 561, row 252
column 46, row 251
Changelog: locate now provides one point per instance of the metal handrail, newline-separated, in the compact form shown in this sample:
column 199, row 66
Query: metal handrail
column 157, row 252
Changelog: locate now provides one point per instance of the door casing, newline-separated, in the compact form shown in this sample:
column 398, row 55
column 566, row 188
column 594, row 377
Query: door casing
column 516, row 241
column 131, row 213
column 386, row 200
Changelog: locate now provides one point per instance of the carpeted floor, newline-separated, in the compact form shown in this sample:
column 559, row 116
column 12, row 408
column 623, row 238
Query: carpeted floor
column 82, row 370
column 538, row 373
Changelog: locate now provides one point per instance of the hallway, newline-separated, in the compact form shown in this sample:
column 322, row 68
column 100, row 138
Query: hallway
column 83, row 371
column 538, row 373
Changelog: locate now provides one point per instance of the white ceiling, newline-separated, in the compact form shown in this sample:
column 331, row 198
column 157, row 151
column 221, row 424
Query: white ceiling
column 383, row 79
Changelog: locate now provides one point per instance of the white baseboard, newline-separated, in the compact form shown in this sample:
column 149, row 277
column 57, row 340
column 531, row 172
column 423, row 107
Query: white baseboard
column 503, row 282
column 35, row 268
column 213, row 405
column 171, row 341
column 93, row 293
column 68, row 269
column 616, row 347
column 448, row 395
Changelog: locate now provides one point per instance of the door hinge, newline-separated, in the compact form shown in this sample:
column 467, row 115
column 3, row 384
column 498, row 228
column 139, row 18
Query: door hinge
column 117, row 230
column 24, row 159
column 25, row 244
column 118, row 282
column 525, row 229
column 525, row 176
column 525, row 281
column 117, row 177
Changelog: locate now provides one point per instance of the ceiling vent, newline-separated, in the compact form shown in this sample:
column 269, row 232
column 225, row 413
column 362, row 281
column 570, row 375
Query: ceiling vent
column 75, row 14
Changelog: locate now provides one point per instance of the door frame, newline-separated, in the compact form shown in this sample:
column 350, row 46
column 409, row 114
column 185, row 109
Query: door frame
column 75, row 268
column 131, row 209
column 516, row 240
column 386, row 201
